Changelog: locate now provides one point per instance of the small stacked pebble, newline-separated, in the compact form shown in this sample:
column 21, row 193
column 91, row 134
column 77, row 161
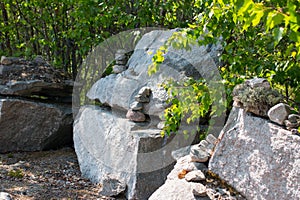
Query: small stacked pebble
column 135, row 113
column 202, row 152
column 121, row 60
column 283, row 114
column 203, row 183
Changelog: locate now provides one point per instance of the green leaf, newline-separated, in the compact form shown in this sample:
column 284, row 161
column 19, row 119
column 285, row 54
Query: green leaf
column 217, row 12
column 257, row 17
column 277, row 33
column 221, row 3
column 295, row 36
column 245, row 5
column 274, row 18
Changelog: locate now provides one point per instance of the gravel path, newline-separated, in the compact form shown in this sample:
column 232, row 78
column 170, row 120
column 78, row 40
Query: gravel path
column 45, row 175
column 55, row 175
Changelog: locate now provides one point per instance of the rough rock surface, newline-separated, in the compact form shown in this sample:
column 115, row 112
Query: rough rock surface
column 112, row 186
column 279, row 113
column 5, row 196
column 177, row 188
column 127, row 150
column 118, row 91
column 20, row 77
column 256, row 96
column 107, row 143
column 258, row 158
column 33, row 126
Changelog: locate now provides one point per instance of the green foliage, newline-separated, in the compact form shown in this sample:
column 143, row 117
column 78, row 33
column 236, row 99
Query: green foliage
column 189, row 100
column 16, row 173
column 65, row 31
column 259, row 39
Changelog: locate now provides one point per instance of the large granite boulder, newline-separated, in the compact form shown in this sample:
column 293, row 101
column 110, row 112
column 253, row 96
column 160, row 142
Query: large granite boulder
column 35, row 109
column 118, row 90
column 258, row 158
column 32, row 126
column 106, row 143
column 109, row 145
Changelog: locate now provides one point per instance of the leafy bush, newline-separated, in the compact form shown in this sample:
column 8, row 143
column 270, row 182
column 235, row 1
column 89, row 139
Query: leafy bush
column 65, row 31
column 259, row 39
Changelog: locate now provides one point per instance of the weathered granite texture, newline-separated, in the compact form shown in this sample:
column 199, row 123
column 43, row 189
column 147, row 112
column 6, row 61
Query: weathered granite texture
column 34, row 126
column 258, row 158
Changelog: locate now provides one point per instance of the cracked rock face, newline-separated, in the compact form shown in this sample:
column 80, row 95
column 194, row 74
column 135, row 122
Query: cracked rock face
column 19, row 77
column 258, row 158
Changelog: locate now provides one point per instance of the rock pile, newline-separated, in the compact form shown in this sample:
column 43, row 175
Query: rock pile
column 192, row 181
column 121, row 60
column 35, row 105
column 256, row 96
column 282, row 115
column 256, row 156
column 202, row 151
column 123, row 140
column 135, row 113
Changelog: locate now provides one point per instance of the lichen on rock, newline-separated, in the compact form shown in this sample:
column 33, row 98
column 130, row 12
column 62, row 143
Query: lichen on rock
column 256, row 98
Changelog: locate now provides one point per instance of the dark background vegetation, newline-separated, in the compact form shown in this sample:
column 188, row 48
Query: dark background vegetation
column 261, row 38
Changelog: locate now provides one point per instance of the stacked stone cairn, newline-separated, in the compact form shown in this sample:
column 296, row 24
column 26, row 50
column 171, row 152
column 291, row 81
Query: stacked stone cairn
column 121, row 60
column 257, row 97
column 135, row 113
column 202, row 151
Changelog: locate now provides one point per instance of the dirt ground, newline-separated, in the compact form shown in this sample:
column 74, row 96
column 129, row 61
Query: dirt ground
column 45, row 175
